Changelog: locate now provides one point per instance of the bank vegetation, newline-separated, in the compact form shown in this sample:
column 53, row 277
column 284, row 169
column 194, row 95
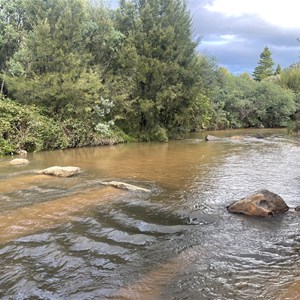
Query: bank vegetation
column 77, row 73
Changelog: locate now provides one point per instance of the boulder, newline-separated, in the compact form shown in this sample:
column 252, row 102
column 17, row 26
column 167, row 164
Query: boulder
column 125, row 186
column 261, row 203
column 61, row 171
column 19, row 161
column 210, row 138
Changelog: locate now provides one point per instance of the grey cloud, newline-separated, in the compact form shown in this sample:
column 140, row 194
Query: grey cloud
column 251, row 36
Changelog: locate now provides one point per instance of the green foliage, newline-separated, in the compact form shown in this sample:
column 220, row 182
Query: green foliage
column 78, row 132
column 231, row 106
column 160, row 134
column 62, row 95
column 294, row 124
column 290, row 78
column 158, row 57
column 52, row 68
column 23, row 127
column 12, row 22
column 273, row 105
column 278, row 70
column 12, row 18
column 55, row 41
column 265, row 66
column 240, row 101
column 102, row 38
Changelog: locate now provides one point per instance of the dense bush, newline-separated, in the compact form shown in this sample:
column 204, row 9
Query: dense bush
column 239, row 102
column 23, row 127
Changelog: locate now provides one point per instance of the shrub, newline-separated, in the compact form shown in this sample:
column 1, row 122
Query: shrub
column 24, row 127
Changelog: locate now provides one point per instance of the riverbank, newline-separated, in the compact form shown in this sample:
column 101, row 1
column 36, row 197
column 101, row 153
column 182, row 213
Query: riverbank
column 28, row 128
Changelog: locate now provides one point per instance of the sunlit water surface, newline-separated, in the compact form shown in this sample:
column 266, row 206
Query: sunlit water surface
column 73, row 238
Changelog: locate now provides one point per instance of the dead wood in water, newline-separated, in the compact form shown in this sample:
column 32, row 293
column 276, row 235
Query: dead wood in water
column 125, row 186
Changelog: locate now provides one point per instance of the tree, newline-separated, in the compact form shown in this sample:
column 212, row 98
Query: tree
column 23, row 127
column 103, row 40
column 51, row 67
column 12, row 23
column 278, row 70
column 240, row 101
column 158, row 57
column 265, row 66
column 232, row 105
column 273, row 105
column 290, row 78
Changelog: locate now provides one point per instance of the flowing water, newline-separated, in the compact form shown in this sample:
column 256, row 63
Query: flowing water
column 72, row 238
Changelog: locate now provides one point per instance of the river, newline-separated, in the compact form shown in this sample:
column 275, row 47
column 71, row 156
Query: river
column 73, row 238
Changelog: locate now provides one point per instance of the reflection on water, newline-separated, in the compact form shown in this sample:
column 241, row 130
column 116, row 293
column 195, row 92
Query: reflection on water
column 69, row 238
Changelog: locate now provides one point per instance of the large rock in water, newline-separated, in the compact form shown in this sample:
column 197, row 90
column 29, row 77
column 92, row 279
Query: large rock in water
column 19, row 161
column 261, row 203
column 212, row 138
column 61, row 171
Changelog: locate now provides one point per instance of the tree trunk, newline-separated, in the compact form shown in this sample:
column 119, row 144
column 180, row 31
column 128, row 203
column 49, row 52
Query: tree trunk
column 2, row 87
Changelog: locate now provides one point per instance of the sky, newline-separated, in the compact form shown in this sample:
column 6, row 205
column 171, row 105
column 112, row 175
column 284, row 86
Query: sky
column 235, row 32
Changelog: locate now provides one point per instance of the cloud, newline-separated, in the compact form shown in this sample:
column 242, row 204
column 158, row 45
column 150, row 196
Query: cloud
column 236, row 32
column 279, row 13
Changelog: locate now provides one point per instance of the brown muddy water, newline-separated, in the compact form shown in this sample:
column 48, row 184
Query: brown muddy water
column 71, row 238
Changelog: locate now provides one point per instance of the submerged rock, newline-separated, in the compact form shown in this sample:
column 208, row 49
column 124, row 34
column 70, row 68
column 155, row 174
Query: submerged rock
column 19, row 161
column 261, row 203
column 198, row 217
column 61, row 171
column 209, row 138
column 125, row 186
column 259, row 136
column 236, row 137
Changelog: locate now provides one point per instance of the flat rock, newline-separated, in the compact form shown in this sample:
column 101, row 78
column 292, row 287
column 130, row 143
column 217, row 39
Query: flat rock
column 125, row 186
column 261, row 203
column 61, row 171
column 19, row 161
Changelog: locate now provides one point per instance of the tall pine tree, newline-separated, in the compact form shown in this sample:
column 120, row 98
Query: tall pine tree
column 158, row 56
column 51, row 67
column 278, row 70
column 265, row 66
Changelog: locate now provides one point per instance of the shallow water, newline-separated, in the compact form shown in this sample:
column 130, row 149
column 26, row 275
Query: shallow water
column 71, row 238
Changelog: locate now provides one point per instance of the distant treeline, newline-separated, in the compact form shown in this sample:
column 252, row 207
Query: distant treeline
column 76, row 73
